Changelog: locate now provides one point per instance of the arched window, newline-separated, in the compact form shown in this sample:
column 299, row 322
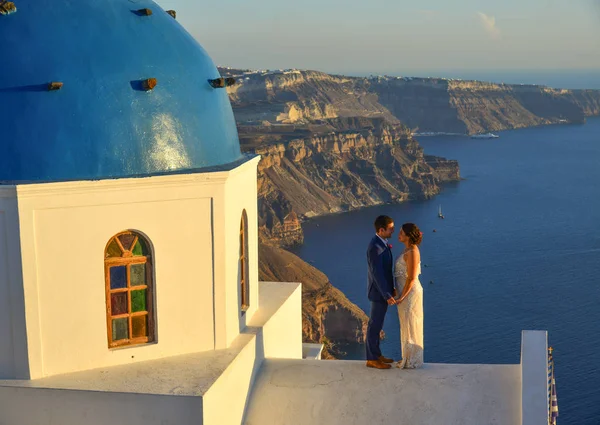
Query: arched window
column 129, row 295
column 243, row 263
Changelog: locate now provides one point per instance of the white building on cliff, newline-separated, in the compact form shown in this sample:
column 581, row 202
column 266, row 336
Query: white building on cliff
column 129, row 288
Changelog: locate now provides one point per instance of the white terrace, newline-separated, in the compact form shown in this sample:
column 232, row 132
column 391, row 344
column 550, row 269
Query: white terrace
column 262, row 379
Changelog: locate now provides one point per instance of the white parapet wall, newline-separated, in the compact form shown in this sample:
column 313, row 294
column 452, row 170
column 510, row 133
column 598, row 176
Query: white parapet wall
column 277, row 331
column 534, row 377
column 206, row 388
column 312, row 351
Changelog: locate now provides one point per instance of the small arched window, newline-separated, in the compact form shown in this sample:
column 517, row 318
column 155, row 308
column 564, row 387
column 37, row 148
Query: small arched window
column 243, row 263
column 129, row 290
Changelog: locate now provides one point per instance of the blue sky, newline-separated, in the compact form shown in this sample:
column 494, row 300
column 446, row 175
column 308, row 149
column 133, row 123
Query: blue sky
column 399, row 36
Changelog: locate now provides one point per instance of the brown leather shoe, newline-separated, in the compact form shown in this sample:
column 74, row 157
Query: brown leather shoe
column 377, row 364
column 384, row 359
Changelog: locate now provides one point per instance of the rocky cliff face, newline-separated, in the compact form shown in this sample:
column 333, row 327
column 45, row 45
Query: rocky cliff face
column 476, row 107
column 341, row 172
column 327, row 315
column 299, row 96
column 426, row 104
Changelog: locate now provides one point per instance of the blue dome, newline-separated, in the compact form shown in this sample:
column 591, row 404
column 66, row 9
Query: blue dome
column 102, row 123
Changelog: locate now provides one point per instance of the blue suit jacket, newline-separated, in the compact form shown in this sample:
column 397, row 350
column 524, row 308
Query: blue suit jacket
column 381, row 276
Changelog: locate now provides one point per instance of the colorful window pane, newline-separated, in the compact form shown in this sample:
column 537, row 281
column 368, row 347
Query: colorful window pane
column 140, row 248
column 137, row 249
column 138, row 301
column 113, row 250
column 118, row 277
column 118, row 303
column 120, row 329
column 139, row 326
column 128, row 290
column 137, row 274
column 126, row 240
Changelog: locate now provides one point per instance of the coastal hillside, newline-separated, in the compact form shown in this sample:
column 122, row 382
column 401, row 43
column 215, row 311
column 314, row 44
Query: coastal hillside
column 471, row 107
column 332, row 143
column 422, row 104
column 327, row 315
column 342, row 171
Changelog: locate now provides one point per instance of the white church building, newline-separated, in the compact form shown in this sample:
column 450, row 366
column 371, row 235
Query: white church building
column 129, row 289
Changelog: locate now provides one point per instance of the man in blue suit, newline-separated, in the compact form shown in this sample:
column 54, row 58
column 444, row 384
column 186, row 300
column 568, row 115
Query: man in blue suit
column 380, row 288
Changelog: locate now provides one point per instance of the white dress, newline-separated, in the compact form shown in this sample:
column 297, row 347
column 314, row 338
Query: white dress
column 410, row 313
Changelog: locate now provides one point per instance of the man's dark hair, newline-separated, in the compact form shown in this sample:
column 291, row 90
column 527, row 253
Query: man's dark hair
column 382, row 222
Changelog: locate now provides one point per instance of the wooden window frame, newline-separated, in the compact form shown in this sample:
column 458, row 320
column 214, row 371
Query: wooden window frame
column 127, row 259
column 243, row 263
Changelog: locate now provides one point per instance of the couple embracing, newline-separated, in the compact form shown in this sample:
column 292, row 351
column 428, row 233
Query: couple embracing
column 396, row 284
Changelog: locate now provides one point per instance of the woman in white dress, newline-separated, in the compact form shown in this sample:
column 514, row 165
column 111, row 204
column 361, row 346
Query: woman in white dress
column 410, row 301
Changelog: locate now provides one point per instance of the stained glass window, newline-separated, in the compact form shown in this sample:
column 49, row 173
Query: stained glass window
column 113, row 250
column 126, row 240
column 118, row 303
column 138, row 274
column 118, row 277
column 127, row 265
column 120, row 330
column 139, row 326
column 243, row 263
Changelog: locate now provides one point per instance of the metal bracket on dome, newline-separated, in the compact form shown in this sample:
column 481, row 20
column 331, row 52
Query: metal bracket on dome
column 144, row 12
column 219, row 83
column 7, row 7
column 54, row 85
column 172, row 13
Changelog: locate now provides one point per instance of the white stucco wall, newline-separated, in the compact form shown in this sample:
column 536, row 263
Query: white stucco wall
column 276, row 331
column 282, row 334
column 13, row 337
column 225, row 401
column 64, row 228
column 29, row 406
column 240, row 195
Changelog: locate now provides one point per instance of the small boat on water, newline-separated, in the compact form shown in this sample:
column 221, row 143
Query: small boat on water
column 440, row 215
column 485, row 136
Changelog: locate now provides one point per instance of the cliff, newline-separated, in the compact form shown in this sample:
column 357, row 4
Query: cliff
column 333, row 143
column 426, row 104
column 299, row 96
column 340, row 172
column 327, row 315
column 475, row 107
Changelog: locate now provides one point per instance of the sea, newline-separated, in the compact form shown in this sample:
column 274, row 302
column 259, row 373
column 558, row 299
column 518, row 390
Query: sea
column 519, row 248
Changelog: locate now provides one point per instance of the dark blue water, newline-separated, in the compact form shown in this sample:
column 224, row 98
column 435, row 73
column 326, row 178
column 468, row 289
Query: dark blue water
column 519, row 249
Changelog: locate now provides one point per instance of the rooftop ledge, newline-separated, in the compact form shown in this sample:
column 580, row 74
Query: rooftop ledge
column 185, row 375
column 347, row 392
